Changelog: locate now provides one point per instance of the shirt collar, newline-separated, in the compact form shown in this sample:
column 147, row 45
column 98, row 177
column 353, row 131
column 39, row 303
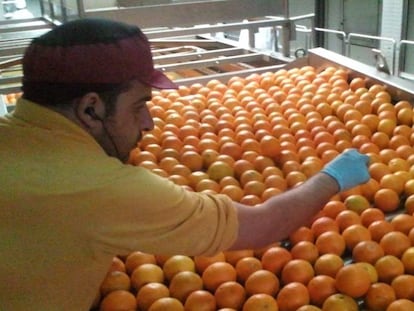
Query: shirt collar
column 43, row 117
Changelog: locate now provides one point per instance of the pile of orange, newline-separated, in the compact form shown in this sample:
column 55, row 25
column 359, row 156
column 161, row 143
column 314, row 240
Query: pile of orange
column 255, row 137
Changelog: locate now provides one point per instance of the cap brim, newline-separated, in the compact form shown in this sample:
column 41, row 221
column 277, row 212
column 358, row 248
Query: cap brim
column 161, row 81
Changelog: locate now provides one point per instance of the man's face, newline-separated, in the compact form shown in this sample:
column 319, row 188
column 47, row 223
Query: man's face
column 124, row 128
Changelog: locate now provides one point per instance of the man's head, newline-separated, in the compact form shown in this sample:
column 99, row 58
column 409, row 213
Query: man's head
column 88, row 55
column 99, row 74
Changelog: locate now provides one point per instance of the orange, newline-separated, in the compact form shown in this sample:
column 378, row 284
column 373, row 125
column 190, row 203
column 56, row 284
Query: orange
column 379, row 296
column 292, row 296
column 297, row 270
column 179, row 180
column 118, row 300
column 229, row 180
column 176, row 264
column 402, row 104
column 323, row 224
column 340, row 302
column 262, row 281
column 378, row 170
column 408, row 260
column 371, row 120
column 117, row 264
column 275, row 258
column 381, row 139
column 301, row 234
column 388, row 267
column 321, row 287
column 409, row 187
column 357, row 203
column 270, row 146
column 115, row 280
column 347, row 218
column 372, row 272
column 387, row 154
column 219, row 169
column 250, row 175
column 331, row 242
column 260, row 301
column 246, row 266
column 242, row 165
column 230, row 294
column 352, row 280
column 386, row 126
column 251, row 200
column 405, row 152
column 367, row 251
column 183, row 283
column 232, row 149
column 161, row 259
column 137, row 258
column 401, row 305
column 262, row 162
column 218, row 273
column 328, row 264
column 234, row 192
column 149, row 293
column 398, row 164
column 386, row 199
column 295, row 178
column 146, row 273
column 370, row 215
column 202, row 262
column 393, row 182
column 232, row 257
column 409, row 204
column 209, row 156
column 200, row 300
column 403, row 286
column 254, row 187
column 167, row 163
column 290, row 166
column 271, row 171
column 270, row 192
column 395, row 243
column 207, row 185
column 403, row 223
column 405, row 116
column 309, row 308
column 310, row 167
column 305, row 250
column 192, row 159
column 166, row 303
column 333, row 208
column 251, row 144
column 355, row 234
column 379, row 228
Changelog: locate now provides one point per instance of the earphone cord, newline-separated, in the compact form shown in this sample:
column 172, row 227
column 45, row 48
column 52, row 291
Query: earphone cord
column 110, row 138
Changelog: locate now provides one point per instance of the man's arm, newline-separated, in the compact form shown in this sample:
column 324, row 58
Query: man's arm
column 279, row 216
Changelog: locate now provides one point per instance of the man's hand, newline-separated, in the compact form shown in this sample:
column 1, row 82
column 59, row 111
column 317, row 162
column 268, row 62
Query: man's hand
column 349, row 169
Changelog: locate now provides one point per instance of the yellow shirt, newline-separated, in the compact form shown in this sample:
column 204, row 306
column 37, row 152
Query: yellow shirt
column 66, row 208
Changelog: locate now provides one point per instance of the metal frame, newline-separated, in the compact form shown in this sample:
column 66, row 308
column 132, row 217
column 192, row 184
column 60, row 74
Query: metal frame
column 191, row 13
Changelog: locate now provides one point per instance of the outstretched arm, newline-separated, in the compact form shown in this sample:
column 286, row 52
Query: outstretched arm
column 276, row 218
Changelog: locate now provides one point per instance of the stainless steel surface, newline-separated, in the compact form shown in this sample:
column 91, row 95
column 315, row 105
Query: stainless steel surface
column 190, row 14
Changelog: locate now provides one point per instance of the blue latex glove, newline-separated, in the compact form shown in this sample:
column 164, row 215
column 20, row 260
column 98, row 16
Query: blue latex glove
column 349, row 169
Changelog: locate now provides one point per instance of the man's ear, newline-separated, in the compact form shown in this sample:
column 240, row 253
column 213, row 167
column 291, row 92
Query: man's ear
column 90, row 110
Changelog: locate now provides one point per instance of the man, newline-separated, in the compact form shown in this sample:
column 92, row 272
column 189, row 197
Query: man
column 68, row 201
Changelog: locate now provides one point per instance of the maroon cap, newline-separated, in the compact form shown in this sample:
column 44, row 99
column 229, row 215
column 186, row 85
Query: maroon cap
column 92, row 51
